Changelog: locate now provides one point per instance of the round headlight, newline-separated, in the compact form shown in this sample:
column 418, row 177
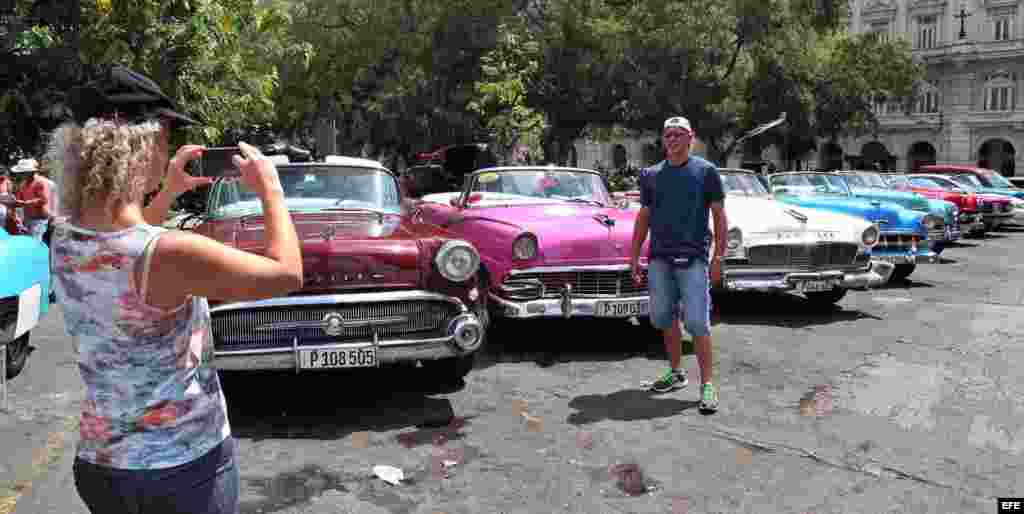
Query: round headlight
column 870, row 236
column 524, row 248
column 734, row 238
column 457, row 261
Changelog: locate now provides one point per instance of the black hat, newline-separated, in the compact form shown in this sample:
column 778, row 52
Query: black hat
column 123, row 93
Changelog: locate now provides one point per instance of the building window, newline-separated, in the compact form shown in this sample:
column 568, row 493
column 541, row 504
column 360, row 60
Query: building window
column 879, row 30
column 928, row 102
column 1000, row 91
column 1002, row 28
column 927, row 32
column 999, row 98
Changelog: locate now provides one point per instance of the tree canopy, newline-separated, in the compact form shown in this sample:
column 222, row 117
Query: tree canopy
column 405, row 76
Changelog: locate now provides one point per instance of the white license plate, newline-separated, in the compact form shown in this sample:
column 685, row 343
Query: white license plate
column 622, row 308
column 894, row 259
column 813, row 286
column 340, row 358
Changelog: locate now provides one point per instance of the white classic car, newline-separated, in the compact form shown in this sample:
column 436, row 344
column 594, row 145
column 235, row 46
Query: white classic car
column 773, row 246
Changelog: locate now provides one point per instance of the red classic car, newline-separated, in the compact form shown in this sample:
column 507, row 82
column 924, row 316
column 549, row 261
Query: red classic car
column 971, row 221
column 380, row 286
column 552, row 243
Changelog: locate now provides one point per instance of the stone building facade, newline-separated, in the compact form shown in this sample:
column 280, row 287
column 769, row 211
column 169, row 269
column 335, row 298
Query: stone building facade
column 971, row 106
column 970, row 110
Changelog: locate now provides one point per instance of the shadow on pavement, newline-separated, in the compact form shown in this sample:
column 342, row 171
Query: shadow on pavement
column 959, row 244
column 625, row 405
column 905, row 283
column 783, row 310
column 330, row 406
column 551, row 341
column 1010, row 228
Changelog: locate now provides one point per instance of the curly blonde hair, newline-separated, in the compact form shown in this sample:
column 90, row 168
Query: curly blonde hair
column 102, row 162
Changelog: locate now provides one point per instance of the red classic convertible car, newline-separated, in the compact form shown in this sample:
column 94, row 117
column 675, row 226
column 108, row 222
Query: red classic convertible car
column 380, row 287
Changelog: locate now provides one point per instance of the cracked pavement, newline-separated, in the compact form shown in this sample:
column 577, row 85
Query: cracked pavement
column 907, row 399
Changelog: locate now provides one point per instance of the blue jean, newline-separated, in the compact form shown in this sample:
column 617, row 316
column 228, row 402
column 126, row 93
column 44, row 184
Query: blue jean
column 207, row 485
column 672, row 284
column 37, row 226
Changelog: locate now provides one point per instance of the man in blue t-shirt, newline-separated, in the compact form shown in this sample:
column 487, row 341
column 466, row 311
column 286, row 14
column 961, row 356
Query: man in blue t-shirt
column 676, row 196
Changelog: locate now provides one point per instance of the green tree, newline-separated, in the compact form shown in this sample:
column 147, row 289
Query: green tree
column 217, row 59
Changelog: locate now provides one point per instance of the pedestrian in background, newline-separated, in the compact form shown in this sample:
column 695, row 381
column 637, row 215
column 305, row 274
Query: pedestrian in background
column 676, row 196
column 154, row 431
column 33, row 197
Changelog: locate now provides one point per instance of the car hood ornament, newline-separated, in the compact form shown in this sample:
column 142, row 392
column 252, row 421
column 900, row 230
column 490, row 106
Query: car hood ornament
column 801, row 217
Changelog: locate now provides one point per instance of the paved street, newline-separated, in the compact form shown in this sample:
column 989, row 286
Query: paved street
column 908, row 399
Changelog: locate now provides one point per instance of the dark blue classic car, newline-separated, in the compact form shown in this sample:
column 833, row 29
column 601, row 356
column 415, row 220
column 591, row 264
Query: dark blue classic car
column 904, row 237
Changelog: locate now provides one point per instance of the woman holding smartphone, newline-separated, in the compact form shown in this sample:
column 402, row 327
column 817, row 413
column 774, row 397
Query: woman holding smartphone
column 154, row 432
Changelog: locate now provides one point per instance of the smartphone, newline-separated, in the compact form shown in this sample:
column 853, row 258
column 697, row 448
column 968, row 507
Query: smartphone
column 217, row 162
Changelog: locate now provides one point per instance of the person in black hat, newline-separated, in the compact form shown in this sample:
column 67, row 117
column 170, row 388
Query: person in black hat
column 155, row 436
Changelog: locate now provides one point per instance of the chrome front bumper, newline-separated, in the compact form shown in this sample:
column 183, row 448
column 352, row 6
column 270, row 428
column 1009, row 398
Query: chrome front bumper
column 795, row 280
column 970, row 223
column 922, row 257
column 387, row 352
column 564, row 307
column 997, row 219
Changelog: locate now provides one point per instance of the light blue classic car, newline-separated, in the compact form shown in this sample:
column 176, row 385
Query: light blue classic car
column 24, row 294
column 870, row 185
column 904, row 233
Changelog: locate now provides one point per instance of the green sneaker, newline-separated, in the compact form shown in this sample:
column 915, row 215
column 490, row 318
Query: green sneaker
column 708, row 399
column 670, row 381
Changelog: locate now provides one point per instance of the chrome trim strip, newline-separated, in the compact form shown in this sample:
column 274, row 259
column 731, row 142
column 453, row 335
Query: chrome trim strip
column 291, row 325
column 753, row 270
column 334, row 299
column 562, row 269
column 397, row 343
column 389, row 355
column 552, row 307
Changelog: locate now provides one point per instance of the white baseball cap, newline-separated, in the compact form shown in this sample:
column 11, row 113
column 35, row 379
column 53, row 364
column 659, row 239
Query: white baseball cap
column 25, row 166
column 678, row 122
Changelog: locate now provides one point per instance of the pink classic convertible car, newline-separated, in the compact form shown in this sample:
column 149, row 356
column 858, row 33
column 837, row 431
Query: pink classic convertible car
column 551, row 241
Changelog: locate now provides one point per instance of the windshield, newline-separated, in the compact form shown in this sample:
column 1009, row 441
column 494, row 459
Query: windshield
column 946, row 182
column 856, row 181
column 968, row 179
column 872, row 179
column 926, row 182
column 896, row 180
column 815, row 184
column 317, row 188
column 742, row 184
column 996, row 180
column 541, row 185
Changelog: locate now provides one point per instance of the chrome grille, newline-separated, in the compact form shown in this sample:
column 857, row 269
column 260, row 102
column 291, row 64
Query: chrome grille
column 241, row 329
column 587, row 283
column 803, row 256
column 896, row 241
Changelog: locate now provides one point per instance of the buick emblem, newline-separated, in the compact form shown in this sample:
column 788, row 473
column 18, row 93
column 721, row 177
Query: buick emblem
column 333, row 324
column 327, row 233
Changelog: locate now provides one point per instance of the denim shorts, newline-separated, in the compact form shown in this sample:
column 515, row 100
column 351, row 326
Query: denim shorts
column 37, row 226
column 207, row 485
column 671, row 285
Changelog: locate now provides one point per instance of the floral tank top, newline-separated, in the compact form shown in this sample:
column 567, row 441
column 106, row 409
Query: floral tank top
column 152, row 400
